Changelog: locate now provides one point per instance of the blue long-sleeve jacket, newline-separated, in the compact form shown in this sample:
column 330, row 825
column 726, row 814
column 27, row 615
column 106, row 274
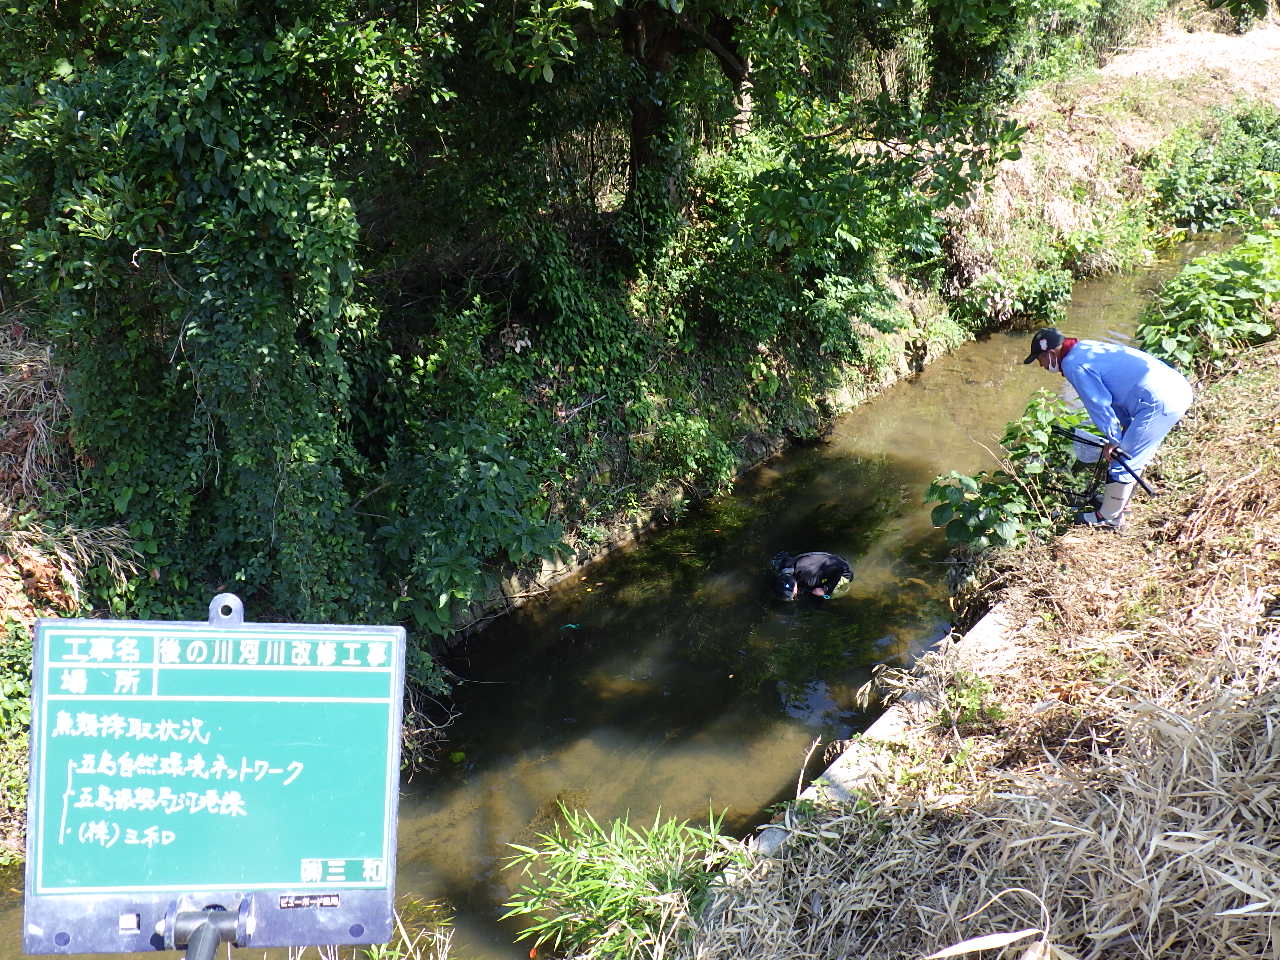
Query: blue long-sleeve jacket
column 1115, row 382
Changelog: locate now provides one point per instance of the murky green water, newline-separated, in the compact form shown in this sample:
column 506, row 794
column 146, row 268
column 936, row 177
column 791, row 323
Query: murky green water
column 667, row 678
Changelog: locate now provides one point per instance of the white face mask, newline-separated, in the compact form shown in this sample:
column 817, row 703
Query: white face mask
column 1054, row 365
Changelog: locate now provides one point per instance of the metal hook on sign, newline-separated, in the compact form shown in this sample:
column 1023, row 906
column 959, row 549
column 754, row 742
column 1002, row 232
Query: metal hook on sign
column 226, row 610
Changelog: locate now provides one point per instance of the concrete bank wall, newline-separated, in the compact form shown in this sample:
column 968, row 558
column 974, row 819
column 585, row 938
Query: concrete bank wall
column 987, row 649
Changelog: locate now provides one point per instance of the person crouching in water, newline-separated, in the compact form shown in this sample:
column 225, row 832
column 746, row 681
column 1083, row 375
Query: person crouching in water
column 816, row 572
column 1133, row 398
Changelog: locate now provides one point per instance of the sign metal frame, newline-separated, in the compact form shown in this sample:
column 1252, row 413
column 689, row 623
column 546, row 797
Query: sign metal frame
column 108, row 888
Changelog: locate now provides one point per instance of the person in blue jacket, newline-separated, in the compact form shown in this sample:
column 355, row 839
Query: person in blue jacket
column 817, row 572
column 1133, row 398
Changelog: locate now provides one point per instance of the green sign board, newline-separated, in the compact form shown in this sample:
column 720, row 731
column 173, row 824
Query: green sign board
column 170, row 759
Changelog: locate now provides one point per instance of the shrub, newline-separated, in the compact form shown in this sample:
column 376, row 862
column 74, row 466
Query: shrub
column 1216, row 305
column 1034, row 296
column 1004, row 507
column 1231, row 176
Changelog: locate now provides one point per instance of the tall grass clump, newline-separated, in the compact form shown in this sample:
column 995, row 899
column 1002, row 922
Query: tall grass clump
column 617, row 892
column 39, row 476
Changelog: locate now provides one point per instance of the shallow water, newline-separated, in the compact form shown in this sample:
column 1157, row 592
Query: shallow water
column 666, row 678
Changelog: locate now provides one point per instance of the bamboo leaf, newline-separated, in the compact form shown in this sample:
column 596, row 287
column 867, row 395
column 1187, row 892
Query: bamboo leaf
column 990, row 941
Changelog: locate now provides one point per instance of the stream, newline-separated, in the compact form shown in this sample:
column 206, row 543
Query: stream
column 667, row 680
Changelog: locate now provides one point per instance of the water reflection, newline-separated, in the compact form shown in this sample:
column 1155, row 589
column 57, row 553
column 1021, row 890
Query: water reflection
column 670, row 676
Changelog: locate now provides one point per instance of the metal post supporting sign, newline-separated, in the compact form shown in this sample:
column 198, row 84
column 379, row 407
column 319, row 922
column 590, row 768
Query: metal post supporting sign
column 194, row 783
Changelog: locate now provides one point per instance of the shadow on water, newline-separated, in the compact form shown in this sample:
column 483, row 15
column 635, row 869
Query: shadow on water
column 667, row 678
column 670, row 677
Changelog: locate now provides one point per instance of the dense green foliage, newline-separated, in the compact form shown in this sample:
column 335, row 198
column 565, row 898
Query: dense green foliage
column 192, row 256
column 1030, row 495
column 604, row 892
column 1226, row 175
column 1218, row 305
column 363, row 306
column 184, row 239
column 15, row 678
column 15, row 719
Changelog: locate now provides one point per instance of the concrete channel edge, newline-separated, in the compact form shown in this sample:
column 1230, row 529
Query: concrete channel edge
column 987, row 648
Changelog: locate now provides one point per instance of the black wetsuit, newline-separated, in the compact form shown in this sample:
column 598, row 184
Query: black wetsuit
column 808, row 570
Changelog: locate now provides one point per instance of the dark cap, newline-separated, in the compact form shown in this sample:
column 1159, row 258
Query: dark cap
column 1043, row 340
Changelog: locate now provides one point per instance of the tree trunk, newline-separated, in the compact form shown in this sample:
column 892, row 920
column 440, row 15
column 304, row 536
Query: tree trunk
column 743, row 105
column 720, row 40
column 652, row 39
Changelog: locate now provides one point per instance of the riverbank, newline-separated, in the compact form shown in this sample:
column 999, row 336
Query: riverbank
column 1109, row 785
column 31, row 584
column 1080, row 201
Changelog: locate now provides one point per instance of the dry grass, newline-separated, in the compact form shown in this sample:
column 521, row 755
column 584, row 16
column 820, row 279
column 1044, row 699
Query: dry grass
column 423, row 931
column 1128, row 803
column 416, row 938
column 53, row 560
column 42, row 561
column 32, row 410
